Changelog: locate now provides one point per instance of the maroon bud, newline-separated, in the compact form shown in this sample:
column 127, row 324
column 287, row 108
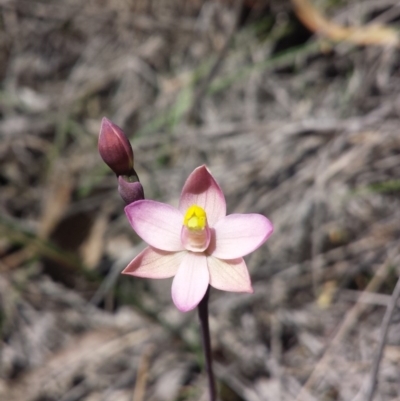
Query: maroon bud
column 130, row 188
column 115, row 149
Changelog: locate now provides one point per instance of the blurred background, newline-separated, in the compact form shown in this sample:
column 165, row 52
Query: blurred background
column 293, row 105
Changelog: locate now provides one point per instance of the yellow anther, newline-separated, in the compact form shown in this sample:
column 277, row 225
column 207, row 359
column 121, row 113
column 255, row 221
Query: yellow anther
column 195, row 218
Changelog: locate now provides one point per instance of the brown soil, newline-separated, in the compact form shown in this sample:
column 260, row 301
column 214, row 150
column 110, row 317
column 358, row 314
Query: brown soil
column 301, row 126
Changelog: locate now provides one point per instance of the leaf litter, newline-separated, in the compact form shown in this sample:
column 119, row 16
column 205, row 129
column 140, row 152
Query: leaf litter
column 292, row 124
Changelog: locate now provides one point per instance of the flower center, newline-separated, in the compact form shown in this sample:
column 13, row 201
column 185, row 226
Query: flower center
column 195, row 233
column 195, row 218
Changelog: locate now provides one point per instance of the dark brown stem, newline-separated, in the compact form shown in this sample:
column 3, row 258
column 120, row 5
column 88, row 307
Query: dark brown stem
column 205, row 335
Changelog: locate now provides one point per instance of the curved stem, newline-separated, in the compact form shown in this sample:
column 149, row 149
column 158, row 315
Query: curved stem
column 205, row 335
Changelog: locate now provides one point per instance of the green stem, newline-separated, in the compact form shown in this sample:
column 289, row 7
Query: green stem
column 205, row 335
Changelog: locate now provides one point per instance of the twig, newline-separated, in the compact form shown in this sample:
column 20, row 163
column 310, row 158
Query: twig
column 276, row 351
column 142, row 375
column 382, row 340
column 113, row 275
column 366, row 35
column 108, row 282
column 243, row 389
column 193, row 113
column 348, row 323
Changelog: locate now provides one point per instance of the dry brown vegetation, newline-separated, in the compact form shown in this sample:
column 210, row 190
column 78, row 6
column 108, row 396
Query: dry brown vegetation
column 294, row 124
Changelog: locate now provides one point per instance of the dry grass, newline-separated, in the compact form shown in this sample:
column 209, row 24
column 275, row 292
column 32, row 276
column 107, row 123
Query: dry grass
column 295, row 127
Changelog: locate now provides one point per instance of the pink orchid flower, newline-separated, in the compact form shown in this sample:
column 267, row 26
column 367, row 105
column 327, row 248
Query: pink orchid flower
column 197, row 243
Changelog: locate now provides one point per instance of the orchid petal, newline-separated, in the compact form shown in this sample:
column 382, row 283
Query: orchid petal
column 201, row 189
column 237, row 235
column 190, row 282
column 229, row 275
column 157, row 224
column 153, row 263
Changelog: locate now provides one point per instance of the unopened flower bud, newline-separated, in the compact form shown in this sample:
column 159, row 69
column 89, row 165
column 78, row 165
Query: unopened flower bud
column 130, row 188
column 115, row 148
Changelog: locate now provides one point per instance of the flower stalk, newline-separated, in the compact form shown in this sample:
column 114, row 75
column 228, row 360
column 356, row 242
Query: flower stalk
column 205, row 336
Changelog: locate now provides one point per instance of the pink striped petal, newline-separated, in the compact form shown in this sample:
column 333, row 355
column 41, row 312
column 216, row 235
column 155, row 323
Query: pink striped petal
column 191, row 281
column 201, row 189
column 157, row 224
column 229, row 275
column 153, row 263
column 237, row 235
